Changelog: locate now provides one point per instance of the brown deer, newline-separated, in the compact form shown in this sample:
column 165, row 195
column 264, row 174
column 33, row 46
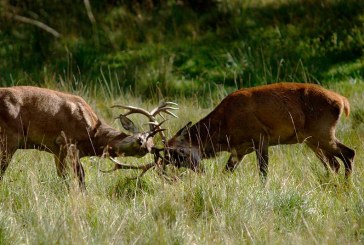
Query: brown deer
column 252, row 119
column 32, row 117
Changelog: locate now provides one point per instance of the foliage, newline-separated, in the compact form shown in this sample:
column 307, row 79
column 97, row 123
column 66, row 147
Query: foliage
column 182, row 47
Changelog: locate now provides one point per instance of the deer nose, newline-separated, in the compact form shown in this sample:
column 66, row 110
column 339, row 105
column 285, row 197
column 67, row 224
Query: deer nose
column 149, row 144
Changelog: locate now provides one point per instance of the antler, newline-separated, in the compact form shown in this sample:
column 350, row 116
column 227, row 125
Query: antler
column 157, row 162
column 155, row 127
column 164, row 106
column 119, row 165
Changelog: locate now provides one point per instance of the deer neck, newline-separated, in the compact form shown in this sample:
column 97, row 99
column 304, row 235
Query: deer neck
column 206, row 136
column 101, row 141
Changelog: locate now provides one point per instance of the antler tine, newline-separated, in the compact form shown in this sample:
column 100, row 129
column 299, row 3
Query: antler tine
column 119, row 165
column 170, row 103
column 170, row 113
column 133, row 110
column 165, row 107
column 157, row 130
column 156, row 124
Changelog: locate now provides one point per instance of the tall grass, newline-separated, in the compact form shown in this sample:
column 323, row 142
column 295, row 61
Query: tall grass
column 300, row 204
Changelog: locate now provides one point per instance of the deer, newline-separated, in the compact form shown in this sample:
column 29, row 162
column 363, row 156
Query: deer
column 252, row 119
column 65, row 125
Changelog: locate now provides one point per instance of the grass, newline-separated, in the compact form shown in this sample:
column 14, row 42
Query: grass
column 194, row 57
column 300, row 204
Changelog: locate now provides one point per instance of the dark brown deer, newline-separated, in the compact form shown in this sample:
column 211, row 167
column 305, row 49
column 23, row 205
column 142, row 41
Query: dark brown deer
column 252, row 119
column 38, row 118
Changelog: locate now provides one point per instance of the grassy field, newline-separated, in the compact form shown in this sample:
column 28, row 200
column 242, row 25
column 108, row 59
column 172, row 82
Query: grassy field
column 180, row 51
column 300, row 204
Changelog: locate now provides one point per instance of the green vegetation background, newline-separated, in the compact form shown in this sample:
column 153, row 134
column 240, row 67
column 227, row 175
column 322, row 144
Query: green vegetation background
column 182, row 47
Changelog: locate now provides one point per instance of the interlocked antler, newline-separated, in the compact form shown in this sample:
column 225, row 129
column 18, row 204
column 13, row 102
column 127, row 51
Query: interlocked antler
column 165, row 106
column 155, row 127
column 158, row 159
column 119, row 165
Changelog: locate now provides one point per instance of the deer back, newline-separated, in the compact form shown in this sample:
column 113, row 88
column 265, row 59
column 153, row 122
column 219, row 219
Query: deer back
column 283, row 113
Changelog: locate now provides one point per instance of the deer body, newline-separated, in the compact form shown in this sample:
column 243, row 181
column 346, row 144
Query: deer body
column 48, row 120
column 252, row 119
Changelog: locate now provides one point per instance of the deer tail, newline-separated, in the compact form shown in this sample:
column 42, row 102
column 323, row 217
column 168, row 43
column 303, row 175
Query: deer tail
column 346, row 106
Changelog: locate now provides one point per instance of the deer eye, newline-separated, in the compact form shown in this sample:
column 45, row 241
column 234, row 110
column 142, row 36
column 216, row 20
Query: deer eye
column 140, row 141
column 182, row 152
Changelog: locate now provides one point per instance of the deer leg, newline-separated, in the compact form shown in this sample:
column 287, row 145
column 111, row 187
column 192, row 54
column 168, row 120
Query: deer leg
column 69, row 159
column 261, row 150
column 339, row 150
column 80, row 173
column 237, row 156
column 346, row 155
column 330, row 160
column 233, row 161
column 6, row 153
column 4, row 162
column 325, row 157
column 61, row 166
column 74, row 160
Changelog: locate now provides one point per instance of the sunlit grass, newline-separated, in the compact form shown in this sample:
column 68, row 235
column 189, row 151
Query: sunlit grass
column 300, row 203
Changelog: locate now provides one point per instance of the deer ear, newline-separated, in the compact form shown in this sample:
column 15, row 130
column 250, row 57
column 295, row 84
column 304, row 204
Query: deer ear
column 184, row 131
column 128, row 124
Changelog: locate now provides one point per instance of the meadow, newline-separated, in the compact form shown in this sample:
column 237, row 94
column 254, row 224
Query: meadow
column 300, row 203
column 192, row 52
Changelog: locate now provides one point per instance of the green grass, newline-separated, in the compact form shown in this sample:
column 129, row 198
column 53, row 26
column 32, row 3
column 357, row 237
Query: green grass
column 300, row 204
column 194, row 57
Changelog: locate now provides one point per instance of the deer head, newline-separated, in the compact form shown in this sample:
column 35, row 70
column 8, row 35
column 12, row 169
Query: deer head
column 144, row 139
